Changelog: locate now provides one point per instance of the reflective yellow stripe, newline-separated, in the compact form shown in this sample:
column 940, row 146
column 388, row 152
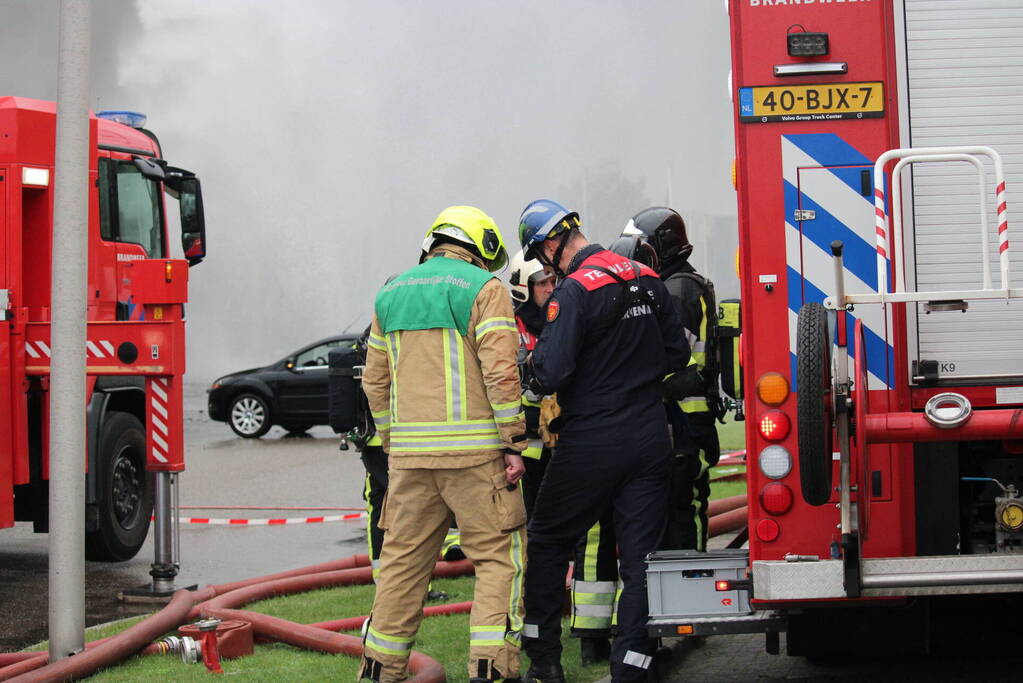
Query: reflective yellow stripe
column 533, row 451
column 445, row 445
column 376, row 342
column 492, row 324
column 391, row 645
column 694, row 404
column 516, row 552
column 590, row 554
column 375, row 440
column 393, row 348
column 486, row 636
column 449, row 380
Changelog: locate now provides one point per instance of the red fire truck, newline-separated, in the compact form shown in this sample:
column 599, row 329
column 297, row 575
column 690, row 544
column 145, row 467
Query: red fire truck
column 135, row 340
column 886, row 416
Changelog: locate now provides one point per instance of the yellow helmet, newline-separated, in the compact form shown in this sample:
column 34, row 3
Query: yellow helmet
column 469, row 225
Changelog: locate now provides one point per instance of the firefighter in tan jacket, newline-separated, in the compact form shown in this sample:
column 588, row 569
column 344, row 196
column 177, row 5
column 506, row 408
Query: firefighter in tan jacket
column 444, row 392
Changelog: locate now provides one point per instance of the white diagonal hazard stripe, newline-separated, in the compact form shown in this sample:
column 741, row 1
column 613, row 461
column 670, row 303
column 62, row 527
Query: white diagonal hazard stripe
column 93, row 349
column 159, row 425
column 159, row 391
column 159, row 408
column 159, row 456
column 163, row 444
column 44, row 348
column 30, row 350
column 107, row 346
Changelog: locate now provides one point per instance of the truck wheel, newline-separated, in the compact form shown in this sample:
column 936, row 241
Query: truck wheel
column 125, row 491
column 249, row 416
column 813, row 403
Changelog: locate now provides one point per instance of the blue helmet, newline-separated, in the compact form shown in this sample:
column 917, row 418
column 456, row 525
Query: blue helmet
column 543, row 219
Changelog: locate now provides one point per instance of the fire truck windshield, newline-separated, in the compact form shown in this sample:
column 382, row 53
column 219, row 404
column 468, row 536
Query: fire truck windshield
column 137, row 218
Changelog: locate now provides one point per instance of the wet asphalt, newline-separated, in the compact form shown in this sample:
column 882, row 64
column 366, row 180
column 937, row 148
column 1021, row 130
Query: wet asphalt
column 221, row 469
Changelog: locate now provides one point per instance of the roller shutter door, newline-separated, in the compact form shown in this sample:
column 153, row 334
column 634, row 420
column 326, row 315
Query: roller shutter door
column 965, row 74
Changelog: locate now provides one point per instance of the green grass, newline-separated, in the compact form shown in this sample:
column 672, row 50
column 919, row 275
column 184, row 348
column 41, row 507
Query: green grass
column 443, row 638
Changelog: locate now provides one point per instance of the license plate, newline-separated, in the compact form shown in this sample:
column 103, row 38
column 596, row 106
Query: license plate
column 824, row 102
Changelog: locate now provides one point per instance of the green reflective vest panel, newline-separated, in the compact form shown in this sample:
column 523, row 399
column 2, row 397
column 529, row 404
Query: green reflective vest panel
column 438, row 293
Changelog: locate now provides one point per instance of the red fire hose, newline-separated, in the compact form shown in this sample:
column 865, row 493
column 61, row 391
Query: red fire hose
column 218, row 600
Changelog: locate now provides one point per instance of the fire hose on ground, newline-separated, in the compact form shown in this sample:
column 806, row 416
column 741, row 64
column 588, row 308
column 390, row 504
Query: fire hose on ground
column 220, row 601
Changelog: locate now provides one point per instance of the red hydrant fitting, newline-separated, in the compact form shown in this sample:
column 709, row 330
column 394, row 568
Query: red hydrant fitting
column 210, row 655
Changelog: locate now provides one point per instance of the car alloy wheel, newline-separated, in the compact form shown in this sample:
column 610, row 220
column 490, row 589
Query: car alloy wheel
column 249, row 416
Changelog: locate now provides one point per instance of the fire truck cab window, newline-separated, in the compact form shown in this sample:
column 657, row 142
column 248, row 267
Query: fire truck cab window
column 137, row 200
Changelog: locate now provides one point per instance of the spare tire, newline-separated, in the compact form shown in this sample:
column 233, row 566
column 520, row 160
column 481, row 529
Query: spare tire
column 814, row 407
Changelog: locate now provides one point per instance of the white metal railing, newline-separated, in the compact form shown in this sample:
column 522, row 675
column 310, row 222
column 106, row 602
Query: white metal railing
column 912, row 155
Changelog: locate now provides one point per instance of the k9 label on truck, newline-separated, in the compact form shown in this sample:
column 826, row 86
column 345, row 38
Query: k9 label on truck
column 876, row 144
column 135, row 344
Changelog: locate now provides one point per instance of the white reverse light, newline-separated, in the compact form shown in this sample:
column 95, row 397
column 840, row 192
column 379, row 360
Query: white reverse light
column 775, row 462
column 36, row 177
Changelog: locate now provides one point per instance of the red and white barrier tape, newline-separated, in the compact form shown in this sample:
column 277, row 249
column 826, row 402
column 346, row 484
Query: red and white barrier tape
column 223, row 521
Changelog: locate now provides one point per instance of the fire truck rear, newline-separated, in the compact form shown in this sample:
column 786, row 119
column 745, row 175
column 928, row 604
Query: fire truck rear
column 876, row 143
column 135, row 340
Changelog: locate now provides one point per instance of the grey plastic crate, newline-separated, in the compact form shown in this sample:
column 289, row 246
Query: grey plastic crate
column 681, row 583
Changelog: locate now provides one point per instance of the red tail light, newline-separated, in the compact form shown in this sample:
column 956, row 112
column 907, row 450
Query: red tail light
column 768, row 530
column 776, row 498
column 775, row 425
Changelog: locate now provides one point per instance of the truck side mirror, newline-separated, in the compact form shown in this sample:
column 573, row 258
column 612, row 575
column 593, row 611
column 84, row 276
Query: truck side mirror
column 193, row 222
column 150, row 168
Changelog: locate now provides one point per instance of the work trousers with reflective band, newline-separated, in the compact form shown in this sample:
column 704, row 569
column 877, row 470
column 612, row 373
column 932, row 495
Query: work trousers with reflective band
column 535, row 467
column 375, row 461
column 416, row 515
column 696, row 451
column 595, row 580
column 578, row 487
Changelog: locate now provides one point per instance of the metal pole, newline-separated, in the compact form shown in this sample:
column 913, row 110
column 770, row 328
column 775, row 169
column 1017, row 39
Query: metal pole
column 163, row 570
column 67, row 337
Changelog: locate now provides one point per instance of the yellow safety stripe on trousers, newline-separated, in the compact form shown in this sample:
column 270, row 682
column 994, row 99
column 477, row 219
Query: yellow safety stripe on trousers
column 374, row 563
column 388, row 645
column 376, row 342
column 486, row 636
column 375, row 440
column 614, row 616
column 492, row 324
column 534, row 450
column 393, row 349
column 516, row 552
column 701, row 537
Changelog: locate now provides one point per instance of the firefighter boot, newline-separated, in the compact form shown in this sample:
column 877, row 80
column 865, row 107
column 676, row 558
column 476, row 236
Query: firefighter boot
column 549, row 673
column 593, row 650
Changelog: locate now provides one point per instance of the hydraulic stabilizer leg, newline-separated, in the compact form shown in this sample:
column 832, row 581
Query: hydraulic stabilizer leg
column 841, row 397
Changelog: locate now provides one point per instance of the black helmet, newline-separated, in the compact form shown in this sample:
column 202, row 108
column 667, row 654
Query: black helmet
column 664, row 230
column 636, row 247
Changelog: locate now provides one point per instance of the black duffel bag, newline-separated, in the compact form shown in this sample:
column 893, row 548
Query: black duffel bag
column 346, row 404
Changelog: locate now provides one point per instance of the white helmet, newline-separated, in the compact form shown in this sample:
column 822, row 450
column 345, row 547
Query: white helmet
column 523, row 272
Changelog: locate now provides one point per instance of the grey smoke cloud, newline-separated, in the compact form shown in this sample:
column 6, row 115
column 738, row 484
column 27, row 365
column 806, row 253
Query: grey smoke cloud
column 328, row 135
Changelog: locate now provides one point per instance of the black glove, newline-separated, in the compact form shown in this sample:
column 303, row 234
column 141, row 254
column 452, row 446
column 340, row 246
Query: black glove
column 686, row 382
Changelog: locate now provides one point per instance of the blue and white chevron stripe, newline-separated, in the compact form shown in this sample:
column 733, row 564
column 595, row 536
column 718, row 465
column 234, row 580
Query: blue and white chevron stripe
column 822, row 173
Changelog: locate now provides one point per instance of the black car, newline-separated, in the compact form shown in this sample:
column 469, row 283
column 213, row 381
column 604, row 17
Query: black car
column 291, row 393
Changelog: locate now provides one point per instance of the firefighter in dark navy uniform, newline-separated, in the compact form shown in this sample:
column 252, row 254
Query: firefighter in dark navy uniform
column 693, row 398
column 611, row 336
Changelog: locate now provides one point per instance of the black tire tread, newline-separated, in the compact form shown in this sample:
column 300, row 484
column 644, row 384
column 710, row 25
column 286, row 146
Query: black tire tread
column 812, row 424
